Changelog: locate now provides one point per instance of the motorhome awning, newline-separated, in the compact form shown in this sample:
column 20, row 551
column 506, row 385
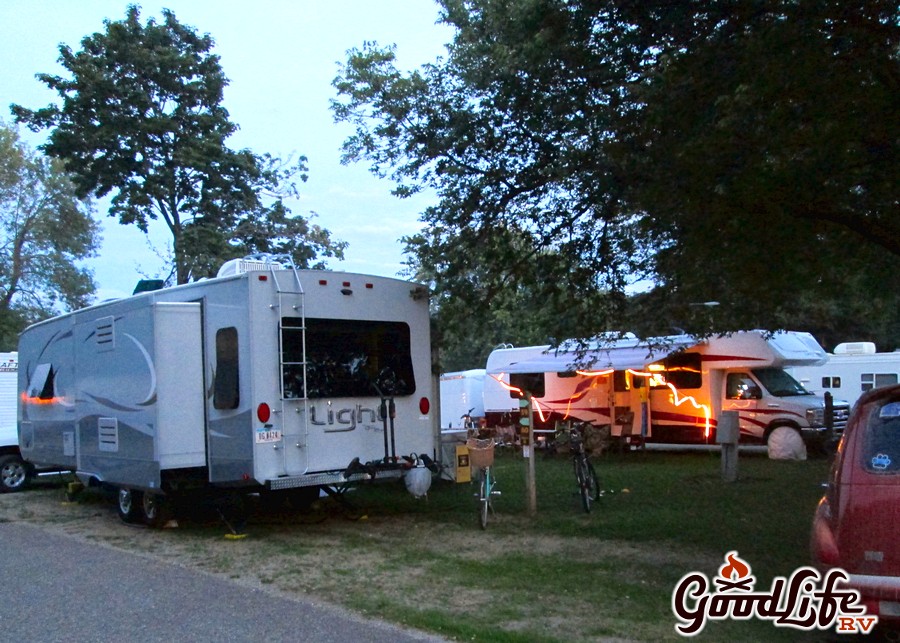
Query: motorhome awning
column 635, row 356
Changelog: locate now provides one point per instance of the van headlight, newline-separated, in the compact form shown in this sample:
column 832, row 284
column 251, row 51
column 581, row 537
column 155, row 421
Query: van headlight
column 815, row 417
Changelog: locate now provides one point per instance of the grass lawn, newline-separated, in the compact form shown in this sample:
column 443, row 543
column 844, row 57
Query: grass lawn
column 566, row 575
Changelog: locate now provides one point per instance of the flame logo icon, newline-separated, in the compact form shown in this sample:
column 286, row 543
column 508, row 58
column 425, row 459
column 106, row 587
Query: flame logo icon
column 735, row 574
column 736, row 569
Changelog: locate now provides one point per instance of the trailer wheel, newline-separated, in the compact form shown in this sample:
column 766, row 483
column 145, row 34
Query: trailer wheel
column 14, row 473
column 154, row 510
column 129, row 504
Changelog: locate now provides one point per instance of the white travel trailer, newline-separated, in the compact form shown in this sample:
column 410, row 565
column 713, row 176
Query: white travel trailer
column 853, row 369
column 461, row 398
column 265, row 378
column 671, row 389
column 14, row 472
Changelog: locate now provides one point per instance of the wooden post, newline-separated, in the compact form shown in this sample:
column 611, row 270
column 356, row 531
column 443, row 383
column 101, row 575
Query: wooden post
column 526, row 419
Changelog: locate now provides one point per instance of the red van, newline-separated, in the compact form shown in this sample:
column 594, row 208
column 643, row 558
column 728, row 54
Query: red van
column 857, row 524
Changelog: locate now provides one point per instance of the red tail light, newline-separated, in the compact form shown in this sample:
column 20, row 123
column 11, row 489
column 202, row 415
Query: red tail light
column 424, row 406
column 263, row 412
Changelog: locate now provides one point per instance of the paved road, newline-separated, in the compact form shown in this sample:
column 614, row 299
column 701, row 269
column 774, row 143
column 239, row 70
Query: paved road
column 57, row 588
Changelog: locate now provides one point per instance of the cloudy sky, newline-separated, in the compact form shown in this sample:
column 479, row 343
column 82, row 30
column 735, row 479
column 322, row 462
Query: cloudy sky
column 280, row 57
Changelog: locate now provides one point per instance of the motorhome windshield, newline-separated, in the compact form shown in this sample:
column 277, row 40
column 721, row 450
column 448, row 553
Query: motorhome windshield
column 779, row 383
column 346, row 358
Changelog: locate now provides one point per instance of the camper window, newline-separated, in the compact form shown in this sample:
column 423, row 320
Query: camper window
column 530, row 382
column 226, row 394
column 682, row 370
column 346, row 358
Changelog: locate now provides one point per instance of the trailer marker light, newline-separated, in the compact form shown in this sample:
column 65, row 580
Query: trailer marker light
column 424, row 406
column 263, row 412
column 263, row 277
column 370, row 286
column 323, row 282
column 346, row 284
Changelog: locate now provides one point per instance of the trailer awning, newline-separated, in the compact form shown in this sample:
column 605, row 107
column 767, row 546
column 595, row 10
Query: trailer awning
column 634, row 355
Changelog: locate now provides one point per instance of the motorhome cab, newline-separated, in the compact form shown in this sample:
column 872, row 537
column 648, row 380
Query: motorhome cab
column 265, row 378
column 745, row 373
column 670, row 389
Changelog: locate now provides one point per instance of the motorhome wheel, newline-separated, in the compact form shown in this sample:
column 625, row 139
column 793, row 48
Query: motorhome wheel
column 129, row 505
column 14, row 473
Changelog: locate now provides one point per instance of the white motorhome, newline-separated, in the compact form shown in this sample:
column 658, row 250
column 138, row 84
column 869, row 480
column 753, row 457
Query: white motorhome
column 265, row 378
column 853, row 369
column 670, row 389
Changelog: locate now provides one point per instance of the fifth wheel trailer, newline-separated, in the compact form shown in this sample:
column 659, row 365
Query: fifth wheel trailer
column 669, row 389
column 266, row 378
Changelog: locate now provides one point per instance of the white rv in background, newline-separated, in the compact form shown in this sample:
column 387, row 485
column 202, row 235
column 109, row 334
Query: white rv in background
column 670, row 389
column 265, row 378
column 14, row 472
column 853, row 369
column 462, row 398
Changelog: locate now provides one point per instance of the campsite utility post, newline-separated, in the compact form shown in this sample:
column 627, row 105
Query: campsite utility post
column 526, row 434
column 727, row 433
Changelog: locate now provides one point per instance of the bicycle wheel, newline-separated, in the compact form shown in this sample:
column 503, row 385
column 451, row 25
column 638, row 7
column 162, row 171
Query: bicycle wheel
column 588, row 485
column 484, row 497
column 593, row 480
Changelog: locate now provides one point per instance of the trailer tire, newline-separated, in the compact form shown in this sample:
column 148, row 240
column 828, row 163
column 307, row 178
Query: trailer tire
column 128, row 505
column 15, row 474
column 154, row 510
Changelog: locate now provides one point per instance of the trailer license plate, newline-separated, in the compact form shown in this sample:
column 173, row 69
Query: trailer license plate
column 267, row 436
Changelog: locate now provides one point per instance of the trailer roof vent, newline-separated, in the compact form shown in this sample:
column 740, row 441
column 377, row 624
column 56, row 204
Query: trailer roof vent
column 240, row 266
column 855, row 348
column 148, row 285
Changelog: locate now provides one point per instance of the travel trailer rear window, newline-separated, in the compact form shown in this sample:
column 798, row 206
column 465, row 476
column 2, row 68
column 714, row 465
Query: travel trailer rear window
column 347, row 358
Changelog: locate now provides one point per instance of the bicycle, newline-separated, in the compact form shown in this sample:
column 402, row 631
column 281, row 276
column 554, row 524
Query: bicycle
column 585, row 476
column 481, row 457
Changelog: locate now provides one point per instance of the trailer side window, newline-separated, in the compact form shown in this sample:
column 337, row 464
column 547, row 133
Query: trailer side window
column 43, row 383
column 226, row 394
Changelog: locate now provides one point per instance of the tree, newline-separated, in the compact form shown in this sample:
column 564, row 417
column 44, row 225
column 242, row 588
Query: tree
column 46, row 229
column 142, row 117
column 613, row 134
column 766, row 150
column 473, row 311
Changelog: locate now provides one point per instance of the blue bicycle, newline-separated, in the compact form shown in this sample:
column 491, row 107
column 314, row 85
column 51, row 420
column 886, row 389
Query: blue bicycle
column 481, row 458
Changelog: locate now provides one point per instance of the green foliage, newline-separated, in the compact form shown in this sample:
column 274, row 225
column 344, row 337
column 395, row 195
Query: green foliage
column 45, row 228
column 743, row 152
column 141, row 118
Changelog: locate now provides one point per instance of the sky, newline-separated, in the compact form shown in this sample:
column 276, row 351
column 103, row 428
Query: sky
column 280, row 57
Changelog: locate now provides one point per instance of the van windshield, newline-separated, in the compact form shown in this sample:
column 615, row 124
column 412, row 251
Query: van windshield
column 779, row 383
